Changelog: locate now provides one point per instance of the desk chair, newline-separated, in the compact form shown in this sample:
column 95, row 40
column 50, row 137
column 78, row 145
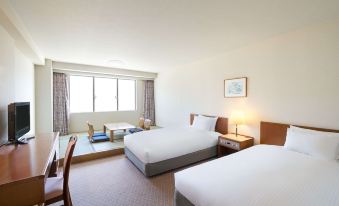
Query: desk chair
column 56, row 188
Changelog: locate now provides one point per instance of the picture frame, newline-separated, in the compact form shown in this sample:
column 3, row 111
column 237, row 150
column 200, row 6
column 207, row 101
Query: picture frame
column 236, row 87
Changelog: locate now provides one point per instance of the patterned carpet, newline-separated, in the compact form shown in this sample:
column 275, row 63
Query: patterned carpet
column 115, row 181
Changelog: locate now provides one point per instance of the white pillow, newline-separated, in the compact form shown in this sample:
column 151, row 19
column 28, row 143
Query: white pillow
column 212, row 122
column 201, row 123
column 318, row 144
column 315, row 132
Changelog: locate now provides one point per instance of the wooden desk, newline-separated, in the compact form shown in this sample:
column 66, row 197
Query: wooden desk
column 24, row 168
column 116, row 126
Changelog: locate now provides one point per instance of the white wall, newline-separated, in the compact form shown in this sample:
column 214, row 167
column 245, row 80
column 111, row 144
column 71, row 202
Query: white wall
column 17, row 80
column 7, row 77
column 292, row 78
column 24, row 84
column 13, row 25
column 44, row 97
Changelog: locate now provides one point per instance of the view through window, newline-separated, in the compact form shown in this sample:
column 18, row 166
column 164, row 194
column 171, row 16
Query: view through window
column 81, row 94
column 101, row 94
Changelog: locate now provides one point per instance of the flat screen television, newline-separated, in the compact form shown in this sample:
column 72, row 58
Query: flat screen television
column 18, row 120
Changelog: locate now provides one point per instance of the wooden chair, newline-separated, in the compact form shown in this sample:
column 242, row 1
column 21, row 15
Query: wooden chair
column 90, row 130
column 141, row 122
column 56, row 188
column 96, row 136
column 147, row 124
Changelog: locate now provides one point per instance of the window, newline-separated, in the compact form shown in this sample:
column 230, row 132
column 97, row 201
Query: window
column 126, row 91
column 105, row 92
column 101, row 94
column 81, row 94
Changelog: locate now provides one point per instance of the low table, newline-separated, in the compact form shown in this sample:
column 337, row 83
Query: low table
column 116, row 126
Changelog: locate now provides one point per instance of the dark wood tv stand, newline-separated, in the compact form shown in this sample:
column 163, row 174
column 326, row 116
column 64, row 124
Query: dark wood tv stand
column 24, row 168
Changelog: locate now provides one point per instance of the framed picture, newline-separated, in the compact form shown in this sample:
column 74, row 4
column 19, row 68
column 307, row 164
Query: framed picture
column 236, row 87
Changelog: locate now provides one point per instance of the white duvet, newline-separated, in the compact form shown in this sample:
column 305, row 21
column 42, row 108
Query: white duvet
column 262, row 175
column 165, row 143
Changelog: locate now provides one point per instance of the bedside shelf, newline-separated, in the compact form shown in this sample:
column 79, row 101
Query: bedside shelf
column 230, row 143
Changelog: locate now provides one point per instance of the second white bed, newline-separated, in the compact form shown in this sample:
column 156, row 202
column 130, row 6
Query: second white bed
column 166, row 143
column 259, row 176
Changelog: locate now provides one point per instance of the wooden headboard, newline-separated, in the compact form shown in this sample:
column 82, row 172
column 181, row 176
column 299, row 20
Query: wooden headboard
column 221, row 126
column 275, row 133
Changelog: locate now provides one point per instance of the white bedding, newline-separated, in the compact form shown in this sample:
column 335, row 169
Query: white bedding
column 165, row 143
column 262, row 175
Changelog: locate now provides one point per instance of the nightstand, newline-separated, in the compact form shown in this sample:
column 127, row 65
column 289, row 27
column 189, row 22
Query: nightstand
column 229, row 143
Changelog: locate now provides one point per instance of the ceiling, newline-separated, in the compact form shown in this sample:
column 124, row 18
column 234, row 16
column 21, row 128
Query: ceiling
column 155, row 35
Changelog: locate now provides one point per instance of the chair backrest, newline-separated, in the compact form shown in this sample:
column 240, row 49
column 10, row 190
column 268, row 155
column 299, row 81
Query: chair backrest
column 67, row 160
column 90, row 130
column 141, row 122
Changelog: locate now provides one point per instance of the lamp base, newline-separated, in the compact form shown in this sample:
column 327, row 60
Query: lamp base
column 236, row 130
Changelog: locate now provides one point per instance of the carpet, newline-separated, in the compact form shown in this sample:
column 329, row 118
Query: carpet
column 115, row 181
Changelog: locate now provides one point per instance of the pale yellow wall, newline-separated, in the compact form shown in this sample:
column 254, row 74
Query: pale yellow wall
column 292, row 78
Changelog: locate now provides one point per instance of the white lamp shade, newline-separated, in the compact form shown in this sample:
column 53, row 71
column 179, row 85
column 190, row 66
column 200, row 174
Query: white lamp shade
column 237, row 117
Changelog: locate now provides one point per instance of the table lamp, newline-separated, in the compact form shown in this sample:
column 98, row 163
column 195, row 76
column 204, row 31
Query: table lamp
column 237, row 118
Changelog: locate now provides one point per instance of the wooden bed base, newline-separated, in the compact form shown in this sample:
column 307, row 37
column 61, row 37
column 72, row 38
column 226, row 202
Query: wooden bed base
column 275, row 133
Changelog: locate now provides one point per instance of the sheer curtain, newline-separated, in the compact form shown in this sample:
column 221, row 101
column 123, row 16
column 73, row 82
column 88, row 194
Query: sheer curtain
column 149, row 106
column 60, row 103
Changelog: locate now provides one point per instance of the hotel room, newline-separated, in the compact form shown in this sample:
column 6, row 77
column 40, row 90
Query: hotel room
column 161, row 103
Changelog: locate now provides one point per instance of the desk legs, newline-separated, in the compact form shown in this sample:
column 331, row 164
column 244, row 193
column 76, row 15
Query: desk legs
column 53, row 171
column 111, row 134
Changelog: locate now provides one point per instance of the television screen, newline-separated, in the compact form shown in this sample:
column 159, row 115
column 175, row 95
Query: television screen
column 22, row 119
column 18, row 121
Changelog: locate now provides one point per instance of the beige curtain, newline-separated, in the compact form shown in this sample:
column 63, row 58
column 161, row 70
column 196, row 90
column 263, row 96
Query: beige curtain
column 60, row 103
column 149, row 106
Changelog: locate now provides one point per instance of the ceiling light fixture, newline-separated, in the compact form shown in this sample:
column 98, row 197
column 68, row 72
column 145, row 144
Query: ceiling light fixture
column 115, row 63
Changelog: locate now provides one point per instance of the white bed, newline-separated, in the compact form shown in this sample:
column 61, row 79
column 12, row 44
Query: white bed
column 160, row 150
column 261, row 175
column 166, row 143
column 302, row 172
